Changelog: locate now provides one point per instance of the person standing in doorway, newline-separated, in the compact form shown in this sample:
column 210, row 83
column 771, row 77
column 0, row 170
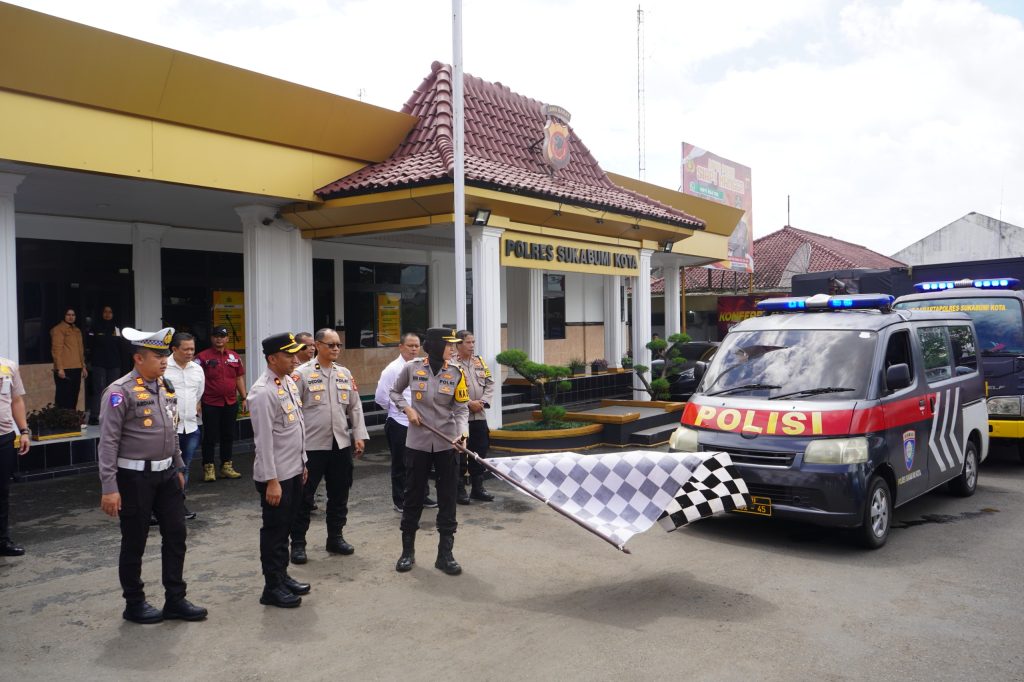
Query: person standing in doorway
column 189, row 384
column 12, row 416
column 481, row 392
column 68, row 360
column 225, row 382
column 105, row 347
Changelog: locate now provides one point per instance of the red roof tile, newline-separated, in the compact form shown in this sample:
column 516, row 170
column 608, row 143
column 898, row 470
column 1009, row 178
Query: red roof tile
column 772, row 254
column 504, row 132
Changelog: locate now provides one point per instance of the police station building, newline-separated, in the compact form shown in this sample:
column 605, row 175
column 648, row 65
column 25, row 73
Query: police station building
column 187, row 193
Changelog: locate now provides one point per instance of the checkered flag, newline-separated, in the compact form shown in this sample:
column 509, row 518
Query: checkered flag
column 715, row 487
column 617, row 495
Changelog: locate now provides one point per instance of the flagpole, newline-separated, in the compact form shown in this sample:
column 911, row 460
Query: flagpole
column 532, row 493
column 459, row 170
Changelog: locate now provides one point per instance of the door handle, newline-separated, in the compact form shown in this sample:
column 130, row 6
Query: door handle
column 920, row 403
column 931, row 402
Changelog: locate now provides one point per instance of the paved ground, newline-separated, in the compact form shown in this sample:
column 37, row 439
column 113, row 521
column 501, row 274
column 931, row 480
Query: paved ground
column 734, row 598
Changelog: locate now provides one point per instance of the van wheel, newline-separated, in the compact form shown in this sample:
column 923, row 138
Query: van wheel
column 874, row 530
column 966, row 483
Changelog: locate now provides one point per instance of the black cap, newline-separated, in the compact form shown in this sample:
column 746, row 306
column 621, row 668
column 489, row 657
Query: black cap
column 219, row 331
column 440, row 335
column 281, row 343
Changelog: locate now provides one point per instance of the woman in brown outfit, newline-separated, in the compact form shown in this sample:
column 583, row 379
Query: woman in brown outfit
column 68, row 360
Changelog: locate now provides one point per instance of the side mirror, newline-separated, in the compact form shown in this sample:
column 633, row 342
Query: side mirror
column 897, row 376
column 700, row 368
column 963, row 370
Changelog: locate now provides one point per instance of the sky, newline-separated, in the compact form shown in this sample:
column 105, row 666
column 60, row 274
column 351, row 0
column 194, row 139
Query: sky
column 881, row 120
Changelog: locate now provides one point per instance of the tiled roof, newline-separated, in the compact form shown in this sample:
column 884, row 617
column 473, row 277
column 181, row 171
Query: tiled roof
column 772, row 254
column 504, row 133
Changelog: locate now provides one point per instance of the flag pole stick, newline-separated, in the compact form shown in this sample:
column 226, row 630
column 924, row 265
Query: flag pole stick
column 532, row 493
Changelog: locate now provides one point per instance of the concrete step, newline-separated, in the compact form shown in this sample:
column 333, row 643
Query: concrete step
column 653, row 435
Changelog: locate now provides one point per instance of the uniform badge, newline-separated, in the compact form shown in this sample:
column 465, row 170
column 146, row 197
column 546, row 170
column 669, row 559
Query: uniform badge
column 139, row 389
column 295, row 377
column 170, row 395
column 143, row 396
column 277, row 381
column 421, row 373
column 909, row 446
column 422, row 385
column 280, row 391
column 316, row 397
column 138, row 380
column 419, row 396
column 291, row 417
column 4, row 369
column 314, row 375
column 116, row 399
column 147, row 422
column 344, row 396
column 147, row 411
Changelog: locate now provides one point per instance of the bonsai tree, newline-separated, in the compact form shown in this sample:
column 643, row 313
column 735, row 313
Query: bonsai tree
column 672, row 362
column 549, row 380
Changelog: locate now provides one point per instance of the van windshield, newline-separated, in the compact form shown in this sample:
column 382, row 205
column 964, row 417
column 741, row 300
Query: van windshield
column 802, row 364
column 998, row 320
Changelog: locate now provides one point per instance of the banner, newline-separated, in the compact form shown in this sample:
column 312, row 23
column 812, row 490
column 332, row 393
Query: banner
column 735, row 309
column 389, row 319
column 711, row 177
column 229, row 311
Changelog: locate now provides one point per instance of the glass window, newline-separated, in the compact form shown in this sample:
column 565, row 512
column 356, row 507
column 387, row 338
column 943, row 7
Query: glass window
column 323, row 293
column 964, row 347
column 997, row 319
column 382, row 300
column 798, row 363
column 554, row 307
column 898, row 352
column 189, row 279
column 935, row 350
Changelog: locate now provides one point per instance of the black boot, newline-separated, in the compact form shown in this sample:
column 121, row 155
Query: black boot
column 294, row 586
column 479, row 492
column 183, row 609
column 277, row 594
column 460, row 493
column 142, row 612
column 336, row 545
column 299, row 553
column 445, row 561
column 408, row 557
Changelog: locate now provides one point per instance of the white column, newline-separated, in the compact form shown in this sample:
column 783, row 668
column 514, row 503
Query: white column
column 613, row 320
column 8, row 267
column 434, row 291
column 526, row 311
column 486, row 264
column 672, row 318
column 642, row 319
column 278, row 267
column 149, row 304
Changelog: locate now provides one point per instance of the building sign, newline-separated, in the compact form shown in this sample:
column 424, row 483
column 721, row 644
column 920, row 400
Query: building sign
column 735, row 309
column 711, row 177
column 566, row 255
column 389, row 319
column 229, row 311
column 556, row 136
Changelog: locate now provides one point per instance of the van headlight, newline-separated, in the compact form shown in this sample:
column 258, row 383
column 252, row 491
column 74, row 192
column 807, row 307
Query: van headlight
column 837, row 451
column 683, row 439
column 1004, row 405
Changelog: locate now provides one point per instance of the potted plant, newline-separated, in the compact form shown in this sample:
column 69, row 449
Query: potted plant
column 627, row 361
column 598, row 366
column 577, row 366
column 51, row 422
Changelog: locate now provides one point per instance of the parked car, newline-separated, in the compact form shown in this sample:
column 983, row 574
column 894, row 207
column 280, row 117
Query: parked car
column 683, row 384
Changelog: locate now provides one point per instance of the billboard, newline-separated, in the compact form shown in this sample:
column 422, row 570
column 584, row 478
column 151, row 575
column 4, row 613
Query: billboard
column 711, row 177
column 734, row 309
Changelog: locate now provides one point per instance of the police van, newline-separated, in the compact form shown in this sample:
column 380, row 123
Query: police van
column 836, row 409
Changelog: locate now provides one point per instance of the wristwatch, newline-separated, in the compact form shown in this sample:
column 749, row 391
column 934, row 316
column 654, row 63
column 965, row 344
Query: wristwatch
column 26, row 432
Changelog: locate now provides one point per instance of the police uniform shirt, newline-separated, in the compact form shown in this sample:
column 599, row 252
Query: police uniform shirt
column 277, row 428
column 10, row 387
column 138, row 420
column 331, row 408
column 439, row 399
column 479, row 382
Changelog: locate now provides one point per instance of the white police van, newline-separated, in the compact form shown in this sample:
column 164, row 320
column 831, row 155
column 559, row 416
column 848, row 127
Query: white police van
column 836, row 409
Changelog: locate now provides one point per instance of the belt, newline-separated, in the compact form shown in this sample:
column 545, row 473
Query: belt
column 145, row 464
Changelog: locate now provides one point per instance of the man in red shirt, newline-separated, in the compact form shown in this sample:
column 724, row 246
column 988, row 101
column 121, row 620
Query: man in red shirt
column 225, row 381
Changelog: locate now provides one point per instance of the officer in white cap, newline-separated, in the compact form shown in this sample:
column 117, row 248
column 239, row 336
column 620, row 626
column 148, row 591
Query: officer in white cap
column 141, row 472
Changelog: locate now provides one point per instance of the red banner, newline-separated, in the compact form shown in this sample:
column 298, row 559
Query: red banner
column 735, row 309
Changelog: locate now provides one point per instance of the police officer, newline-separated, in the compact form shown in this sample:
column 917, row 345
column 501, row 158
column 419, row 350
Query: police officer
column 12, row 416
column 439, row 398
column 481, row 391
column 333, row 416
column 142, row 473
column 279, row 468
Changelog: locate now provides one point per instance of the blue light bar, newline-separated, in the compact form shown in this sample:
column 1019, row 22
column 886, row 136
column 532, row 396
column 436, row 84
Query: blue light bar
column 993, row 283
column 823, row 302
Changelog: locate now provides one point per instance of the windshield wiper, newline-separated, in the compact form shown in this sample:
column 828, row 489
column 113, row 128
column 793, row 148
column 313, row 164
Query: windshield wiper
column 814, row 391
column 744, row 387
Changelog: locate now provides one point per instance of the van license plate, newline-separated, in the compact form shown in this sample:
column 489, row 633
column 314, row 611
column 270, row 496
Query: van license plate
column 761, row 506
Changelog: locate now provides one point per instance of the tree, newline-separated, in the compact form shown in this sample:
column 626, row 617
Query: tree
column 672, row 364
column 549, row 379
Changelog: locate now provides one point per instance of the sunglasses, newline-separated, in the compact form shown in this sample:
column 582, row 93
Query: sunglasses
column 329, row 345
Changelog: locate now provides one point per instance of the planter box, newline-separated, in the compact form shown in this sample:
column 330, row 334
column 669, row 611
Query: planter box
column 54, row 436
column 579, row 438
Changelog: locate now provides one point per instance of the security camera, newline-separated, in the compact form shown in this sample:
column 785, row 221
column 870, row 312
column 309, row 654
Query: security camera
column 267, row 221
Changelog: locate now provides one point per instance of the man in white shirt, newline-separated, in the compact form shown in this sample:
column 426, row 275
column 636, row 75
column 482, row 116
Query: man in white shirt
column 397, row 425
column 189, row 382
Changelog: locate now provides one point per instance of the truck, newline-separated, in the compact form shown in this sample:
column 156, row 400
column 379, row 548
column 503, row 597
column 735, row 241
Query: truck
column 988, row 291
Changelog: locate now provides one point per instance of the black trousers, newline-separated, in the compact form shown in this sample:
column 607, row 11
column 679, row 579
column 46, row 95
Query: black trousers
column 479, row 441
column 277, row 523
column 7, row 460
column 335, row 467
column 417, row 466
column 66, row 394
column 395, row 433
column 99, row 379
column 144, row 493
column 218, row 426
